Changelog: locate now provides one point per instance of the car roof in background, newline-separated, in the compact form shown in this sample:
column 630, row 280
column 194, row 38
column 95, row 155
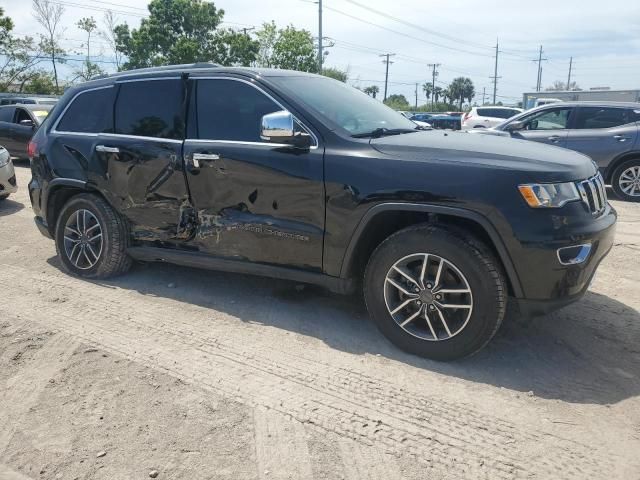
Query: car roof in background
column 589, row 103
column 32, row 106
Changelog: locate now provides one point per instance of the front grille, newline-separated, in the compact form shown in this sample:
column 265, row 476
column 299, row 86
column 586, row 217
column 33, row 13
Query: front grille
column 594, row 194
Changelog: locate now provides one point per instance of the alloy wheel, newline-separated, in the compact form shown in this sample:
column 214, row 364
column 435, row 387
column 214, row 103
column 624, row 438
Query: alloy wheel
column 83, row 239
column 629, row 181
column 428, row 296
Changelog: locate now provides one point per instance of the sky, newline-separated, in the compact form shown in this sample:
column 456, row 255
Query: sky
column 602, row 37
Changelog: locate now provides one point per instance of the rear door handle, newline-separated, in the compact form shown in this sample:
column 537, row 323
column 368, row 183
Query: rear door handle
column 198, row 157
column 554, row 138
column 621, row 138
column 104, row 148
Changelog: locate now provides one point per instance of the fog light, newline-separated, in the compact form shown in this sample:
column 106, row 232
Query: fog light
column 574, row 255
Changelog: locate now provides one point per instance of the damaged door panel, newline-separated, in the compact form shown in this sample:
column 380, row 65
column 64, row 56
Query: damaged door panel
column 254, row 200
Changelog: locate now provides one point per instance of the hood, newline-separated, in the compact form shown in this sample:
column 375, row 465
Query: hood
column 547, row 162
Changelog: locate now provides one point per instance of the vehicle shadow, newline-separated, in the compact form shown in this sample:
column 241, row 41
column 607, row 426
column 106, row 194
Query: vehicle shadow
column 9, row 207
column 587, row 353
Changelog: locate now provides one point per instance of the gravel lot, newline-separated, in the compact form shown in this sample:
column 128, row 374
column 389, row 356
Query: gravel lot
column 189, row 374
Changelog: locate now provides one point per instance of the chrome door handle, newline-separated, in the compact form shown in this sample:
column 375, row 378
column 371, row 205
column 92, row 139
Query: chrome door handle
column 554, row 138
column 197, row 157
column 104, row 148
column 621, row 138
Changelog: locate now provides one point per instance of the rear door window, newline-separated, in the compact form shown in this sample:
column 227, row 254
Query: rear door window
column 602, row 117
column 230, row 110
column 151, row 108
column 6, row 114
column 90, row 112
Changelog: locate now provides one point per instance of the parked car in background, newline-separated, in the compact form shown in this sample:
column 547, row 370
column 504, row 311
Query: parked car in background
column 17, row 124
column 28, row 100
column 605, row 131
column 8, row 183
column 421, row 117
column 487, row 117
column 444, row 121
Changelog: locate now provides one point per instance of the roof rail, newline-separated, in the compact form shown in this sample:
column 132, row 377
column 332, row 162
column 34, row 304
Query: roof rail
column 162, row 68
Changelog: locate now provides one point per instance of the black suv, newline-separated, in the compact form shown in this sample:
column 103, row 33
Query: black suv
column 301, row 177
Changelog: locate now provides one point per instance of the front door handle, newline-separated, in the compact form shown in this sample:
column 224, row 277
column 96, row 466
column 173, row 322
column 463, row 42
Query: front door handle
column 554, row 138
column 104, row 148
column 198, row 157
column 621, row 138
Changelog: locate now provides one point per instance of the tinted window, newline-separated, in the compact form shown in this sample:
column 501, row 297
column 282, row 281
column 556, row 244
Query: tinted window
column 90, row 112
column 231, row 110
column 599, row 117
column 6, row 114
column 497, row 112
column 150, row 109
column 550, row 119
column 21, row 114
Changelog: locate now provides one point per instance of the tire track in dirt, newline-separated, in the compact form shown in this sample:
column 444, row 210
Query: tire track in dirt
column 452, row 440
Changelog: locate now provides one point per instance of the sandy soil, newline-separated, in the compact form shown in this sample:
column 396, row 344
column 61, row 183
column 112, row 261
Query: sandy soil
column 187, row 374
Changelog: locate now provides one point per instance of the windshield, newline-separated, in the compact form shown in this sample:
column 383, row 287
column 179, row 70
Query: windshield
column 345, row 106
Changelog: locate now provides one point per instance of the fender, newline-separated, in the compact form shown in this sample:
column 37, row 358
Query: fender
column 53, row 185
column 436, row 209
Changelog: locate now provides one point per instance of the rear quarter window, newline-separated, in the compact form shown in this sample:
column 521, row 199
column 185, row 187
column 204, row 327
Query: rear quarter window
column 89, row 112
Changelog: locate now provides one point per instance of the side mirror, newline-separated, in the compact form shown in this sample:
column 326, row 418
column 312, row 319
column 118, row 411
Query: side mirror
column 515, row 126
column 278, row 127
column 27, row 123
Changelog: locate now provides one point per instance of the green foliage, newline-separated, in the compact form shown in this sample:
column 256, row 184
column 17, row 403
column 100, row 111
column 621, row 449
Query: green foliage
column 335, row 73
column 40, row 82
column 372, row 90
column 461, row 89
column 294, row 50
column 183, row 31
column 397, row 102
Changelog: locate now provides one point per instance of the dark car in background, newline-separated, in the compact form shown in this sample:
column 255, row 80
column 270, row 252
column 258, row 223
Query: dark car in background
column 28, row 100
column 17, row 124
column 605, row 131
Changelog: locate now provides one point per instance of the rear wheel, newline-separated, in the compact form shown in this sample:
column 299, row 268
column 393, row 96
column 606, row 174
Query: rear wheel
column 435, row 293
column 625, row 180
column 91, row 238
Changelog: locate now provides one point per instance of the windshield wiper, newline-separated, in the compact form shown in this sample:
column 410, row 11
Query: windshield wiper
column 384, row 132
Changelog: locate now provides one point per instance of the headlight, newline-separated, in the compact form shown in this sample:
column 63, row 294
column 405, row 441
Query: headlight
column 549, row 195
column 4, row 159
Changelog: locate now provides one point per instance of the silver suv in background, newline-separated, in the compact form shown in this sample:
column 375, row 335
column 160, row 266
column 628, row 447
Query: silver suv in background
column 605, row 131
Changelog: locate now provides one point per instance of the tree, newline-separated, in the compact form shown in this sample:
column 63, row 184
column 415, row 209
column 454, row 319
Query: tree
column 39, row 82
column 88, row 69
column 108, row 34
column 294, row 50
column 372, row 90
column 335, row 73
column 427, row 88
column 48, row 15
column 183, row 31
column 437, row 93
column 267, row 37
column 559, row 86
column 17, row 55
column 461, row 89
column 397, row 102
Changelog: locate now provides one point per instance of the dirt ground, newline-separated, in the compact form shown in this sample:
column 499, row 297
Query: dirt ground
column 189, row 374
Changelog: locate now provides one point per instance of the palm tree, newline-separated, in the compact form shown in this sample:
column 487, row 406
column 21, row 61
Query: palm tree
column 427, row 88
column 437, row 93
column 372, row 90
column 461, row 89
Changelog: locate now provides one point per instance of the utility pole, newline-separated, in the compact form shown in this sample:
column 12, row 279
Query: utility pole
column 416, row 96
column 539, row 60
column 484, row 95
column 569, row 77
column 433, row 84
column 386, row 75
column 320, row 52
column 495, row 75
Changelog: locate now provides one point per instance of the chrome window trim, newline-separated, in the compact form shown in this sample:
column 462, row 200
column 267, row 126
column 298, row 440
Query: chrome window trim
column 240, row 142
column 147, row 79
column 54, row 129
column 141, row 137
column 270, row 97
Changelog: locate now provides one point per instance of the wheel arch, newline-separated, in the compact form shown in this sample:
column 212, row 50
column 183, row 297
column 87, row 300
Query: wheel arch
column 385, row 219
column 633, row 155
column 59, row 192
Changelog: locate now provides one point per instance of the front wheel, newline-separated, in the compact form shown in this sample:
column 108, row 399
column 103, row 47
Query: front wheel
column 625, row 181
column 435, row 293
column 91, row 238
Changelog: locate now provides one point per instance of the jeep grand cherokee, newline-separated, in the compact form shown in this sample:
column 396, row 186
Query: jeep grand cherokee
column 301, row 177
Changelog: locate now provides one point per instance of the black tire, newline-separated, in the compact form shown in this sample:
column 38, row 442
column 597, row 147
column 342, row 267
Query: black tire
column 471, row 258
column 615, row 180
column 112, row 259
column 3, row 197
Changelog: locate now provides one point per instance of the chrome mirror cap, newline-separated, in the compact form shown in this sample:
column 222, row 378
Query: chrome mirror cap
column 277, row 126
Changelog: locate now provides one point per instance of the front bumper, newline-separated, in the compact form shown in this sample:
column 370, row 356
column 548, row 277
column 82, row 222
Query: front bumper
column 8, row 184
column 547, row 283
